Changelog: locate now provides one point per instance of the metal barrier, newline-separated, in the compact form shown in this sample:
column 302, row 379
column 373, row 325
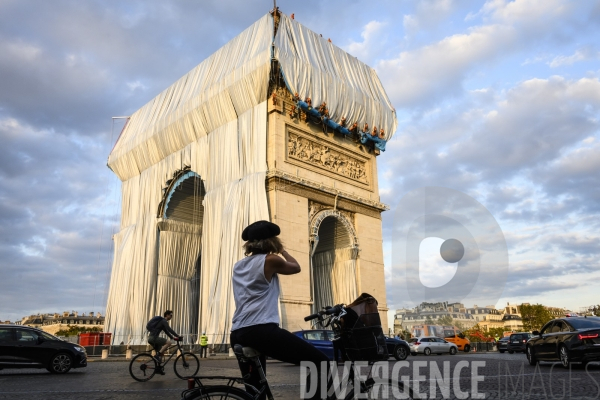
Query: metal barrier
column 138, row 344
column 483, row 346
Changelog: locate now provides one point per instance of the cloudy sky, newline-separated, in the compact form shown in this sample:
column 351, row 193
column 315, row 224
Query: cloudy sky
column 498, row 100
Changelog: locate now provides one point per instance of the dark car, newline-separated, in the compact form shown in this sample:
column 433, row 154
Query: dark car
column 566, row 340
column 322, row 339
column 502, row 344
column 518, row 341
column 25, row 347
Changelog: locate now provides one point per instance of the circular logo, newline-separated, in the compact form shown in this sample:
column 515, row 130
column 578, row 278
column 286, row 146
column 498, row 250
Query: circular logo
column 472, row 239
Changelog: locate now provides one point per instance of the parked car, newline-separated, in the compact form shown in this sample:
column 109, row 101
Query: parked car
column 517, row 342
column 567, row 340
column 502, row 344
column 25, row 347
column 322, row 339
column 431, row 344
column 447, row 332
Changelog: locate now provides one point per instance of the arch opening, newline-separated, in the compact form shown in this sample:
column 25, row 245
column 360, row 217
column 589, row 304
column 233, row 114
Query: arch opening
column 333, row 262
column 181, row 215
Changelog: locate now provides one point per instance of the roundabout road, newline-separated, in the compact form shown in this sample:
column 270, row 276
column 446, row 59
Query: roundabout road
column 506, row 376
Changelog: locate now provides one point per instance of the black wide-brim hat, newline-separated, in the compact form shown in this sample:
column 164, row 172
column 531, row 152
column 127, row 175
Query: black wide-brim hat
column 260, row 230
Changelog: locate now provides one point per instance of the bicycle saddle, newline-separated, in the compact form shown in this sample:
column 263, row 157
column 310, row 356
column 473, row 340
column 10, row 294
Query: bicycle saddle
column 248, row 352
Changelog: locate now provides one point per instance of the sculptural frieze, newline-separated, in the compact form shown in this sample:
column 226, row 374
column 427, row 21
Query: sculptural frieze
column 323, row 156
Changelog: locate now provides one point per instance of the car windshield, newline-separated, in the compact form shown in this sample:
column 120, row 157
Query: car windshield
column 48, row 336
column 584, row 323
column 316, row 335
column 505, row 338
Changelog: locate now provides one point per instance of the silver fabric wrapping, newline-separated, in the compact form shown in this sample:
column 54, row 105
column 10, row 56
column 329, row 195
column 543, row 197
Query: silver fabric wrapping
column 316, row 68
column 214, row 119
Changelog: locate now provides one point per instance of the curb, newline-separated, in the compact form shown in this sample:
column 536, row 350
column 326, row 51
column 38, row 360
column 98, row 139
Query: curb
column 121, row 358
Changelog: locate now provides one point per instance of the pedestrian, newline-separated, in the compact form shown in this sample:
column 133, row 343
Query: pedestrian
column 256, row 294
column 203, row 345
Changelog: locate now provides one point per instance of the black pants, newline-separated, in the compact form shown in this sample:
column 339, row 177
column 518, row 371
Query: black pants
column 203, row 351
column 272, row 341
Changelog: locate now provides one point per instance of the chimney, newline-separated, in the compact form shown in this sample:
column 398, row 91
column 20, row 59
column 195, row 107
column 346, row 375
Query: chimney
column 75, row 314
column 91, row 314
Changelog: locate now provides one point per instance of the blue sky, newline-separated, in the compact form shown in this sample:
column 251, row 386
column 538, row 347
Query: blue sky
column 499, row 100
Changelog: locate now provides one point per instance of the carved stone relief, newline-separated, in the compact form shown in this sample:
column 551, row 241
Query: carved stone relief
column 322, row 156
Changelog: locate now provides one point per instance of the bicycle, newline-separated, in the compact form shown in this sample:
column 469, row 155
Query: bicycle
column 332, row 316
column 144, row 365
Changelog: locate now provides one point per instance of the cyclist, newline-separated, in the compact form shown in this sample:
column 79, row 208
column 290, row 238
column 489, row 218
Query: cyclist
column 157, row 325
column 256, row 295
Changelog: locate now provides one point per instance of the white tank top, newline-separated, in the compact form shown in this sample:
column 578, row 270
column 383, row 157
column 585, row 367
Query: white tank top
column 256, row 299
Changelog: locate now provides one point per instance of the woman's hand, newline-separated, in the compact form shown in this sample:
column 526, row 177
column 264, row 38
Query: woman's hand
column 275, row 265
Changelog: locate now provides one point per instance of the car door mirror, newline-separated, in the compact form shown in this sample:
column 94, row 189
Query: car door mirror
column 536, row 333
column 40, row 340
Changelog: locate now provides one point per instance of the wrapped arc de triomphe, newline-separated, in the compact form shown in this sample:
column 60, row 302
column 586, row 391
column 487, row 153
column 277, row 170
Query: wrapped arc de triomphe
column 237, row 140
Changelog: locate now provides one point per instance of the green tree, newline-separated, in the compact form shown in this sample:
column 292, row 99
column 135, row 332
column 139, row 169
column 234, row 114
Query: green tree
column 460, row 326
column 76, row 330
column 496, row 332
column 445, row 320
column 428, row 321
column 534, row 316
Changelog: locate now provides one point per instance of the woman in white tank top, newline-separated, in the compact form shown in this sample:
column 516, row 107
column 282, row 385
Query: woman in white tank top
column 256, row 293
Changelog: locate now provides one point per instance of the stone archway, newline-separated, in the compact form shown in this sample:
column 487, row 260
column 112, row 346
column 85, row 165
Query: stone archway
column 180, row 217
column 334, row 250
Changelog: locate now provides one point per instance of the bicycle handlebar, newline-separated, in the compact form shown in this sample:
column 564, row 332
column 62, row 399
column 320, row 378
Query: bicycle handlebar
column 334, row 310
column 313, row 316
column 328, row 311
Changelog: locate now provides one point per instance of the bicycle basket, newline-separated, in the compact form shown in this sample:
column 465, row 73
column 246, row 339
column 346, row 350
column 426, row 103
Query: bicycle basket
column 364, row 343
column 360, row 332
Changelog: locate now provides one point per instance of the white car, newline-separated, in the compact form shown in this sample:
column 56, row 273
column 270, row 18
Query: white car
column 431, row 344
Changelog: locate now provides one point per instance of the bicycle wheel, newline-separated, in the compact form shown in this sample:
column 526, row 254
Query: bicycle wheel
column 143, row 367
column 217, row 392
column 186, row 365
column 392, row 390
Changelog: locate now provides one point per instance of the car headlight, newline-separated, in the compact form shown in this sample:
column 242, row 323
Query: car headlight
column 80, row 349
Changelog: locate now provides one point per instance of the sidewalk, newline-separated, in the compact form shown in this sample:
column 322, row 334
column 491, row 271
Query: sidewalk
column 225, row 356
column 121, row 357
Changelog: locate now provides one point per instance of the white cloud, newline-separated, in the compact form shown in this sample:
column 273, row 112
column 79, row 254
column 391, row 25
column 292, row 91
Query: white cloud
column 528, row 12
column 434, row 72
column 426, row 75
column 579, row 55
column 428, row 14
column 537, row 119
column 372, row 42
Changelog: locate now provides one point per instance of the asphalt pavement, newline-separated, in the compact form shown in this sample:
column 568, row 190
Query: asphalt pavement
column 492, row 375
